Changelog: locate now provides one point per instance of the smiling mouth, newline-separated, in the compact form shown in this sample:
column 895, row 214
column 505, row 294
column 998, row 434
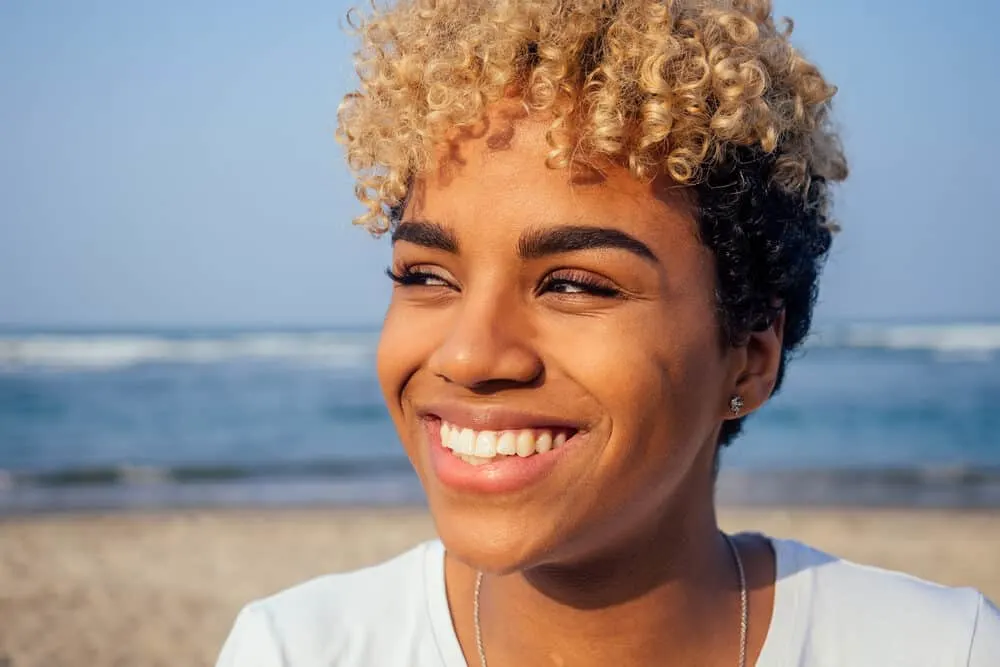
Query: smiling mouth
column 483, row 447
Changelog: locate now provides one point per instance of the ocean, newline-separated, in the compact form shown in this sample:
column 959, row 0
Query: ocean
column 91, row 420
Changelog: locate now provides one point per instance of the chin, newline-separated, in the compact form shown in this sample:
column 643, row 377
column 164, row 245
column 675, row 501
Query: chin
column 495, row 540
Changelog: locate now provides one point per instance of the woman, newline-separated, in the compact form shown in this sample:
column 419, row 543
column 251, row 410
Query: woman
column 608, row 219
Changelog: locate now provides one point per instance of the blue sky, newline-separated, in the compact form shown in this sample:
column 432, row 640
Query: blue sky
column 174, row 164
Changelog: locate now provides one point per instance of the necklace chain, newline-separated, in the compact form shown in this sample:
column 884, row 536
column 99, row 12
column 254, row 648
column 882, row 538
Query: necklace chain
column 744, row 607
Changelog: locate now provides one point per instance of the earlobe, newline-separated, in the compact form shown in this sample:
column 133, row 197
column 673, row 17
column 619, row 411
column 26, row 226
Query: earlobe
column 761, row 362
column 736, row 405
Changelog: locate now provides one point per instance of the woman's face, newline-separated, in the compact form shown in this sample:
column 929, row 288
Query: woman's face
column 561, row 325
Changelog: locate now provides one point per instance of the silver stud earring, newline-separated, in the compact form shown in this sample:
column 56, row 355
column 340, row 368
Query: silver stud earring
column 736, row 404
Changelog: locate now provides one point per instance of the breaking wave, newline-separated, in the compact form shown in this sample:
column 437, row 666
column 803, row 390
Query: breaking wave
column 941, row 338
column 108, row 351
column 113, row 351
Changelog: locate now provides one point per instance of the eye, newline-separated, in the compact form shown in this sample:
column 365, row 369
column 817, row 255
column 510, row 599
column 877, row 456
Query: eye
column 579, row 283
column 416, row 276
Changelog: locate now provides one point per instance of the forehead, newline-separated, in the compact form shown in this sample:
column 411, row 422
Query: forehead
column 494, row 179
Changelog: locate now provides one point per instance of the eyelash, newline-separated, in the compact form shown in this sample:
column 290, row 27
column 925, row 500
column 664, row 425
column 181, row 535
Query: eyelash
column 584, row 282
column 410, row 277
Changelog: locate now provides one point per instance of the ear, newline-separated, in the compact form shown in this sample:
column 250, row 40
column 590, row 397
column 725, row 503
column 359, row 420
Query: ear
column 755, row 368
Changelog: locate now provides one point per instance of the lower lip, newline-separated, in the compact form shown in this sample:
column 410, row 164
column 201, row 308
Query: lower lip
column 506, row 474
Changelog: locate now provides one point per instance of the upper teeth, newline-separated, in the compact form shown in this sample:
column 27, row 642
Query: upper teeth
column 488, row 444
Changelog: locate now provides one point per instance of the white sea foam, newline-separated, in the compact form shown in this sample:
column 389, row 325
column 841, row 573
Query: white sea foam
column 107, row 351
column 978, row 340
column 352, row 350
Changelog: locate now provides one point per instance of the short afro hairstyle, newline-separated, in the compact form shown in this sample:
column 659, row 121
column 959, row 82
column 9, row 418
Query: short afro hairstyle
column 709, row 92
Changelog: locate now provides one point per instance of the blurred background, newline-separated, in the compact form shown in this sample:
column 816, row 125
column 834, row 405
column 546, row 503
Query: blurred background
column 188, row 318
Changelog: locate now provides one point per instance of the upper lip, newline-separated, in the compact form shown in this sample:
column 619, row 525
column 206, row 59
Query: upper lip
column 494, row 417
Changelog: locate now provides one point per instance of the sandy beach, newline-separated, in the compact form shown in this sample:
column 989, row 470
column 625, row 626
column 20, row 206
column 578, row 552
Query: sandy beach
column 156, row 589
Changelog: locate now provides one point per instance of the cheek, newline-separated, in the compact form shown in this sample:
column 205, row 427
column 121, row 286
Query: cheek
column 657, row 378
column 397, row 357
column 693, row 379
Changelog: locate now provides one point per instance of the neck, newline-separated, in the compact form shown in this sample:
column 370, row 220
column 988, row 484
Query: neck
column 667, row 597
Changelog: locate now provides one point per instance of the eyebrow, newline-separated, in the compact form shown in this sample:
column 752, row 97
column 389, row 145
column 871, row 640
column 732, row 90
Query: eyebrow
column 533, row 244
column 426, row 234
column 536, row 243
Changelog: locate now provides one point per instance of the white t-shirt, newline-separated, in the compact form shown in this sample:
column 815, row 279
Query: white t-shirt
column 827, row 612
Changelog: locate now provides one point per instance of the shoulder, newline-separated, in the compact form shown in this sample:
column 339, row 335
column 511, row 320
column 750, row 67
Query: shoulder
column 868, row 615
column 353, row 596
column 341, row 618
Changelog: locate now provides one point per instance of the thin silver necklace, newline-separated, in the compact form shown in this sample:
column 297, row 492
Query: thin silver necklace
column 744, row 608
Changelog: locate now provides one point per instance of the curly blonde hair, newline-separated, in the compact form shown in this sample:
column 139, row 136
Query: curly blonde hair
column 709, row 92
column 662, row 86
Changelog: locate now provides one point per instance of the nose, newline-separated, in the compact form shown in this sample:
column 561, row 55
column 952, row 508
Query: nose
column 487, row 346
